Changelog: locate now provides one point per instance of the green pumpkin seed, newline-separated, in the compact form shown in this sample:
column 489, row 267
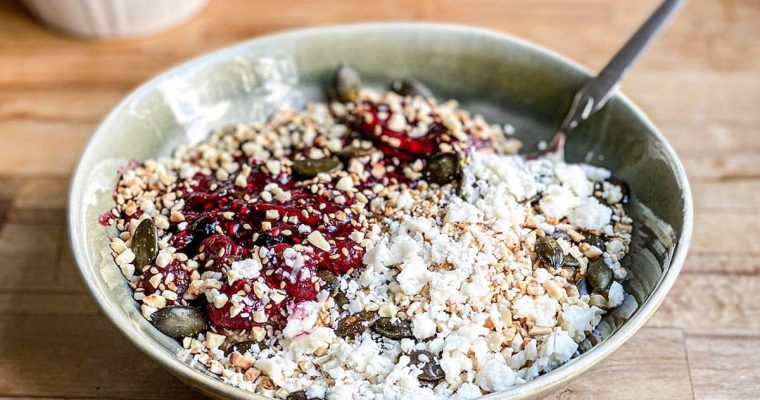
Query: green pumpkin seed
column 355, row 324
column 352, row 152
column 583, row 287
column 443, row 168
column 560, row 234
column 346, row 84
column 311, row 167
column 549, row 251
column 298, row 395
column 428, row 363
column 396, row 330
column 179, row 321
column 340, row 300
column 596, row 241
column 411, row 88
column 599, row 274
column 145, row 243
column 244, row 347
column 570, row 261
column 331, row 282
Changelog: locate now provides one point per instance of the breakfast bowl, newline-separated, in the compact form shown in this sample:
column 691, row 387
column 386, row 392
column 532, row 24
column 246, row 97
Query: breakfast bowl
column 519, row 85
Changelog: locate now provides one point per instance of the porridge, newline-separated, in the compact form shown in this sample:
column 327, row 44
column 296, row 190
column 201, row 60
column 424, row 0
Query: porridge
column 382, row 245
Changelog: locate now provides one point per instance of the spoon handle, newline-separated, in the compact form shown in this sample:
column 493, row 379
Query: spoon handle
column 595, row 93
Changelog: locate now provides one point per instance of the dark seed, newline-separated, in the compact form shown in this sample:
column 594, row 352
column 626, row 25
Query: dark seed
column 560, row 234
column 179, row 321
column 411, row 88
column 624, row 188
column 596, row 241
column 355, row 324
column 267, row 240
column 533, row 201
column 299, row 395
column 346, row 84
column 145, row 243
column 311, row 167
column 598, row 188
column 331, row 283
column 570, row 261
column 431, row 370
column 599, row 274
column 391, row 329
column 570, row 271
column 443, row 168
column 352, row 151
column 244, row 347
column 582, row 286
column 340, row 300
column 204, row 227
column 549, row 252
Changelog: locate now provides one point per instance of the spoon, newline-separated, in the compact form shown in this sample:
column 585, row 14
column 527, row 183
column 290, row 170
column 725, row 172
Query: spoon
column 594, row 94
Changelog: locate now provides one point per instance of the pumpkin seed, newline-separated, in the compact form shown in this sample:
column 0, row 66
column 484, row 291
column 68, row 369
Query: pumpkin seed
column 431, row 370
column 443, row 168
column 346, row 84
column 179, row 321
column 570, row 261
column 244, row 347
column 596, row 241
column 599, row 274
column 355, row 324
column 582, row 286
column 145, row 243
column 549, row 252
column 311, row 167
column 298, row 395
column 560, row 234
column 411, row 88
column 391, row 329
column 331, row 282
column 340, row 300
column 352, row 151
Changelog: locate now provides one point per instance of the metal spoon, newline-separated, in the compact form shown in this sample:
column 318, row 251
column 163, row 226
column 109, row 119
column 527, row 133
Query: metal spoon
column 594, row 94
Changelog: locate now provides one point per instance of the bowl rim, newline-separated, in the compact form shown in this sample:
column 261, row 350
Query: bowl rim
column 211, row 385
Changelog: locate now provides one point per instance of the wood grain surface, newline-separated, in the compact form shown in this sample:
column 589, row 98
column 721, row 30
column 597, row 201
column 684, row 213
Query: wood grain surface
column 700, row 83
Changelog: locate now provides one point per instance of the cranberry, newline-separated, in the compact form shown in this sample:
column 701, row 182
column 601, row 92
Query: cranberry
column 182, row 240
column 104, row 217
column 295, row 270
column 221, row 317
column 174, row 277
column 372, row 127
column 217, row 248
column 206, row 205
column 351, row 259
column 368, row 122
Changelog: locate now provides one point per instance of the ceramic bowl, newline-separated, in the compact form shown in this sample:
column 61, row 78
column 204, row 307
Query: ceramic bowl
column 108, row 19
column 506, row 79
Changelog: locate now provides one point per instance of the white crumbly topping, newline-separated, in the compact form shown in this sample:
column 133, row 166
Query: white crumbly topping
column 616, row 295
column 247, row 269
column 590, row 214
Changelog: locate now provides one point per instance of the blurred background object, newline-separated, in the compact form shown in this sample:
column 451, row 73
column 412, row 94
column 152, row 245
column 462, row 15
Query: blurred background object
column 103, row 19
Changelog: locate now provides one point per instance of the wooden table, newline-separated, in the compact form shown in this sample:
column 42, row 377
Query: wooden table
column 700, row 83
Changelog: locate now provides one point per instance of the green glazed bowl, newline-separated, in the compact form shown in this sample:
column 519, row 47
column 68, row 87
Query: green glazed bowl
column 505, row 79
